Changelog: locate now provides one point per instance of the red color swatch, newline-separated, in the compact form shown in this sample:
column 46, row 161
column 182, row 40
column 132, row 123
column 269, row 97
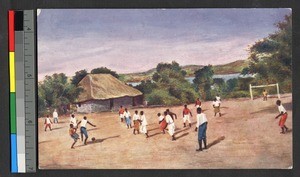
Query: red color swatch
column 11, row 30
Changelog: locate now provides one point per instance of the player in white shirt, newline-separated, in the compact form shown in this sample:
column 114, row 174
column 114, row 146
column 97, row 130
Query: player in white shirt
column 136, row 122
column 55, row 116
column 144, row 124
column 216, row 104
column 127, row 116
column 73, row 121
column 83, row 130
column 48, row 123
column 201, row 127
column 283, row 114
column 171, row 125
column 218, row 98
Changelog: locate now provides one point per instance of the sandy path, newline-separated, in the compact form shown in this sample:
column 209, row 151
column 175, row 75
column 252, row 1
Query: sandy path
column 246, row 136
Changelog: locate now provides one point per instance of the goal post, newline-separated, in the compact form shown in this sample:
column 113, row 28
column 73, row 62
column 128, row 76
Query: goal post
column 261, row 86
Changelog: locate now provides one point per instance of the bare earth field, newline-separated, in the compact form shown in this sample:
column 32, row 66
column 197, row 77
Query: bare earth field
column 246, row 136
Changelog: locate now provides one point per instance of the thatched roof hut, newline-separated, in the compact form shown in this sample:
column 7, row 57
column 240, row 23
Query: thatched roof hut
column 103, row 92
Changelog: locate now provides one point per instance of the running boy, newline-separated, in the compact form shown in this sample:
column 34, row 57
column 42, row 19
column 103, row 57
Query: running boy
column 73, row 121
column 162, row 123
column 198, row 103
column 283, row 114
column 83, row 130
column 127, row 118
column 186, row 116
column 73, row 134
column 55, row 116
column 171, row 125
column 216, row 106
column 136, row 122
column 144, row 124
column 171, row 114
column 121, row 113
column 48, row 123
column 202, row 127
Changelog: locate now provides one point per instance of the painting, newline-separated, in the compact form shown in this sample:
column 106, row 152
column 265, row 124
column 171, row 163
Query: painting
column 165, row 88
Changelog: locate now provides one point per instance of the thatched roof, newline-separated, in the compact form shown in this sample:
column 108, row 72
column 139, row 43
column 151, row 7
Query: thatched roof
column 104, row 86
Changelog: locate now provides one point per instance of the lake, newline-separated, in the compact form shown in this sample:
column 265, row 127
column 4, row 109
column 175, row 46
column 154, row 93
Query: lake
column 226, row 77
column 134, row 83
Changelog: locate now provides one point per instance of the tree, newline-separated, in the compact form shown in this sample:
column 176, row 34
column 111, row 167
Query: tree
column 219, row 86
column 55, row 91
column 146, row 86
column 271, row 57
column 156, row 77
column 169, row 87
column 231, row 85
column 104, row 70
column 219, row 81
column 203, row 81
column 79, row 75
column 168, row 66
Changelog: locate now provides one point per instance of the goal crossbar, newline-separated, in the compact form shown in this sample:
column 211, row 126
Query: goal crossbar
column 261, row 86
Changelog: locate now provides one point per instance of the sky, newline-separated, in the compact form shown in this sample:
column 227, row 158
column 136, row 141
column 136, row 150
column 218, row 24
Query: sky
column 136, row 40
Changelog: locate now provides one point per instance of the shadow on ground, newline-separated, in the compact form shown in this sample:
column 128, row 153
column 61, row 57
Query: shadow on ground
column 289, row 131
column 92, row 129
column 183, row 135
column 153, row 129
column 215, row 142
column 99, row 140
column 57, row 128
column 154, row 134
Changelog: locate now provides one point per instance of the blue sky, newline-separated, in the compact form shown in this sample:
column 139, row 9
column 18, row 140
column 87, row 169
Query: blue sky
column 135, row 40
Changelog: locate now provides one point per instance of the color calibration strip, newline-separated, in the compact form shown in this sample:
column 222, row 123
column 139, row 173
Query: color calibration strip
column 12, row 88
column 22, row 91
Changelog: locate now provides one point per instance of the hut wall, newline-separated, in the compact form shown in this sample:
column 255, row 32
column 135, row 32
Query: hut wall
column 94, row 106
column 138, row 100
column 124, row 101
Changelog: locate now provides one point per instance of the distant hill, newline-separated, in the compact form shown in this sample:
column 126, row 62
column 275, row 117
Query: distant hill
column 229, row 68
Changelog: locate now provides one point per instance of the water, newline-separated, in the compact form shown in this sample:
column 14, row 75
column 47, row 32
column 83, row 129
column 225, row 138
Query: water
column 225, row 77
column 134, row 83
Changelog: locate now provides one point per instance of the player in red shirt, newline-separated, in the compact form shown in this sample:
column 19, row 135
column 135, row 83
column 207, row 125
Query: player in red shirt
column 186, row 116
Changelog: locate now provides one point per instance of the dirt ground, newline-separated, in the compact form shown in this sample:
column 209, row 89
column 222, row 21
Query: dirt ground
column 246, row 136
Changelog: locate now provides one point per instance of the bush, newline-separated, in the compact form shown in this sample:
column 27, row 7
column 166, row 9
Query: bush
column 191, row 95
column 243, row 83
column 161, row 97
column 146, row 86
column 286, row 86
column 176, row 92
column 231, row 84
column 238, row 94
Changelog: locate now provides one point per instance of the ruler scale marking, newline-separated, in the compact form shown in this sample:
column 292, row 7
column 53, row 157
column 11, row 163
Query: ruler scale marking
column 30, row 92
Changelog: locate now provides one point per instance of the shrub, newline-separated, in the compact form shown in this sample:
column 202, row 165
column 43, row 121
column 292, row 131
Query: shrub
column 238, row 94
column 161, row 97
column 191, row 95
column 243, row 83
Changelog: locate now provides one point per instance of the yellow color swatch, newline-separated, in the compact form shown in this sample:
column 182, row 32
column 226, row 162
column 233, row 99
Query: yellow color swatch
column 12, row 76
